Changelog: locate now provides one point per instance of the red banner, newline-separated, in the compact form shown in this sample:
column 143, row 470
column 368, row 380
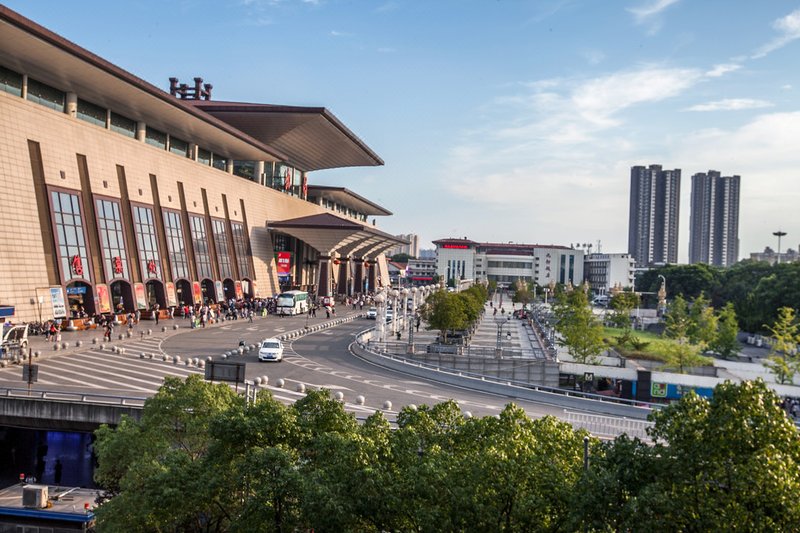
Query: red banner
column 284, row 263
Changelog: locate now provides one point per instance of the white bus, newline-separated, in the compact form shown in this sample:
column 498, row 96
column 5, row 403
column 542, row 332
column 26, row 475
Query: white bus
column 292, row 303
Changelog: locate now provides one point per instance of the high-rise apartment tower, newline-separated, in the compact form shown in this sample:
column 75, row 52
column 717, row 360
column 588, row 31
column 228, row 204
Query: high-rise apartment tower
column 654, row 212
column 714, row 224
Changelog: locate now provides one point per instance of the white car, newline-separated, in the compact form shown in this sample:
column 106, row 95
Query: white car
column 372, row 313
column 270, row 350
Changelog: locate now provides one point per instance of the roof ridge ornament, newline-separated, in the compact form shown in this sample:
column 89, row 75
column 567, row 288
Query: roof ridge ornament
column 200, row 91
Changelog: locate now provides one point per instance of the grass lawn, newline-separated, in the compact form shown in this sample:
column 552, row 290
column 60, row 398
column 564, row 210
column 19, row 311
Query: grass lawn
column 655, row 351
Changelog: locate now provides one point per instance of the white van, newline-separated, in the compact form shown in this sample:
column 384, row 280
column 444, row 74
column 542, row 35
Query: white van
column 14, row 337
column 601, row 300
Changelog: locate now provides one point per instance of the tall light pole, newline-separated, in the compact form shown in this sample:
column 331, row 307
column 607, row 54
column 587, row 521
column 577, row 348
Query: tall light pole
column 779, row 234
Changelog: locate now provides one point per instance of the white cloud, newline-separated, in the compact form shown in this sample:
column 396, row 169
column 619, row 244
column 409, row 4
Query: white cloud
column 788, row 29
column 335, row 33
column 722, row 69
column 593, row 56
column 786, row 87
column 648, row 14
column 731, row 104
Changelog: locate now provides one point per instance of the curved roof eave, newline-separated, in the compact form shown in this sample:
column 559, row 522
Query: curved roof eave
column 311, row 136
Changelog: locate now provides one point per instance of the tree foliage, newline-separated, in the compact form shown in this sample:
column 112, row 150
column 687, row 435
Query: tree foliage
column 580, row 330
column 783, row 360
column 201, row 461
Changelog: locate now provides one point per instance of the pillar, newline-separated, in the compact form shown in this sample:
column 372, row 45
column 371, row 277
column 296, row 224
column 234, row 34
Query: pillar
column 71, row 108
column 358, row 275
column 141, row 131
column 343, row 279
column 259, row 172
column 372, row 275
column 324, row 284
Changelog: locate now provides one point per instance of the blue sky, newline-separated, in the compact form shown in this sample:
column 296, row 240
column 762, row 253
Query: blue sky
column 499, row 120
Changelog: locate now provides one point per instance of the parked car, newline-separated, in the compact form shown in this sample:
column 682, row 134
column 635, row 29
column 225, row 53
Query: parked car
column 15, row 337
column 271, row 350
column 372, row 313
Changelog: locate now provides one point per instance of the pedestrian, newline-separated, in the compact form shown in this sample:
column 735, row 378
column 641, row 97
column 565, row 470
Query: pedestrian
column 107, row 334
column 58, row 470
column 130, row 321
column 155, row 312
column 327, row 312
column 138, row 315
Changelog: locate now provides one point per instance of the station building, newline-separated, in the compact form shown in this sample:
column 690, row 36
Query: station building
column 506, row 263
column 118, row 195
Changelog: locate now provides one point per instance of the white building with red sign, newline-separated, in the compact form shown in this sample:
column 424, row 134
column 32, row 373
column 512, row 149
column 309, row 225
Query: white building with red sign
column 505, row 263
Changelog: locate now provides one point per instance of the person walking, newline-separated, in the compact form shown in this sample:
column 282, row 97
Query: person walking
column 155, row 312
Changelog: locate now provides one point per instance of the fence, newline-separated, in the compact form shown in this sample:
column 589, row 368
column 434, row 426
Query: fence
column 608, row 426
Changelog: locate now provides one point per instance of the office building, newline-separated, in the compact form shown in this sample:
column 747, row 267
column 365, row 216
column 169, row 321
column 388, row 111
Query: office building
column 714, row 224
column 506, row 263
column 653, row 216
column 411, row 249
column 604, row 271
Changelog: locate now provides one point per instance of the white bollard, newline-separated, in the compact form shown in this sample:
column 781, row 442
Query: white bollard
column 257, row 381
column 338, row 396
column 177, row 359
column 280, row 383
column 264, row 380
column 387, row 405
column 300, row 387
column 360, row 400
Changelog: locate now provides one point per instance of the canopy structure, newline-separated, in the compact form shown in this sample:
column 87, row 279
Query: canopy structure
column 329, row 235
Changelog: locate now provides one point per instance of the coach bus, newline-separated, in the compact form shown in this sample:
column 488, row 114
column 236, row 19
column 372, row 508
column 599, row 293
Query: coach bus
column 292, row 303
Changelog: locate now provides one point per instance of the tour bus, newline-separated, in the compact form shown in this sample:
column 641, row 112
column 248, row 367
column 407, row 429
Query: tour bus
column 292, row 303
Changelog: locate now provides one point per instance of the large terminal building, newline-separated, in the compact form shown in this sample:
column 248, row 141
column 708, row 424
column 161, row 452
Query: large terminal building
column 118, row 195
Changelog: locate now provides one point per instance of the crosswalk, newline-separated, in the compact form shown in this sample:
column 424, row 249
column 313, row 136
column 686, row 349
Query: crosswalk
column 103, row 371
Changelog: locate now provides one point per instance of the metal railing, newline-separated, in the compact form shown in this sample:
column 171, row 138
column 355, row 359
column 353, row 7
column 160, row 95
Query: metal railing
column 501, row 381
column 608, row 426
column 74, row 397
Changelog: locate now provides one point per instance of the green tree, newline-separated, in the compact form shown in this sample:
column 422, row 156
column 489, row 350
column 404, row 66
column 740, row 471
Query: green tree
column 401, row 258
column 580, row 330
column 623, row 303
column 725, row 342
column 149, row 466
column 702, row 322
column 444, row 311
column 785, row 334
column 677, row 320
column 681, row 355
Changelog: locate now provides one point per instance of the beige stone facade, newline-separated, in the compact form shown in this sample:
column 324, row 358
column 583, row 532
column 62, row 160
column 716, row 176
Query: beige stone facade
column 43, row 150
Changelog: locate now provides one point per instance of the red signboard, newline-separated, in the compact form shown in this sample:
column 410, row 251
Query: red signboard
column 284, row 263
column 456, row 246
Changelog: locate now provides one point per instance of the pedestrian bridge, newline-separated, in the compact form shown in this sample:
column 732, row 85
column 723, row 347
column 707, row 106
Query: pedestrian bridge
column 65, row 411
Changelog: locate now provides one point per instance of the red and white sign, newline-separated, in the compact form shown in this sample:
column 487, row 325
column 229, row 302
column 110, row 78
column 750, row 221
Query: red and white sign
column 284, row 263
column 456, row 246
column 77, row 265
column 116, row 262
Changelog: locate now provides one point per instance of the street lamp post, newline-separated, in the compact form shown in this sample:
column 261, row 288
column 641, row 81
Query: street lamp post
column 779, row 234
column 380, row 300
column 394, row 294
column 414, row 292
column 662, row 295
column 500, row 325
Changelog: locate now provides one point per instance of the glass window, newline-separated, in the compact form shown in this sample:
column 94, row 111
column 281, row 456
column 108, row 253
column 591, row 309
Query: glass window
column 175, row 244
column 240, row 246
column 220, row 162
column 178, row 147
column 45, row 95
column 10, row 81
column 155, row 138
column 245, row 169
column 146, row 240
column 200, row 242
column 203, row 156
column 69, row 235
column 92, row 113
column 221, row 243
column 109, row 225
column 123, row 125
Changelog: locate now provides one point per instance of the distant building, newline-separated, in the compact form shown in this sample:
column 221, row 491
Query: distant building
column 604, row 271
column 654, row 214
column 506, row 263
column 428, row 253
column 770, row 256
column 714, row 225
column 411, row 249
column 421, row 271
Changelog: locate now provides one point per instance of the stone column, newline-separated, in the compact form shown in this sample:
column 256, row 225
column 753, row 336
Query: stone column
column 372, row 275
column 71, row 108
column 358, row 275
column 323, row 283
column 344, row 276
column 141, row 131
column 259, row 172
column 229, row 166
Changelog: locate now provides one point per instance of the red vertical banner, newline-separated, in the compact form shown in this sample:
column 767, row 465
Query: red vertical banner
column 197, row 291
column 103, row 299
column 284, row 263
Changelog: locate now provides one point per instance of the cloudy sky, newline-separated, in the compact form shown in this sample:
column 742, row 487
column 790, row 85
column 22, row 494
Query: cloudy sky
column 499, row 120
